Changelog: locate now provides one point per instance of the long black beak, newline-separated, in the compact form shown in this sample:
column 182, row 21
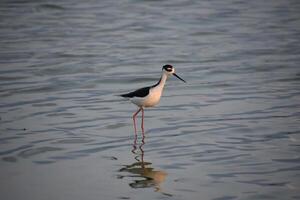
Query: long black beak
column 178, row 77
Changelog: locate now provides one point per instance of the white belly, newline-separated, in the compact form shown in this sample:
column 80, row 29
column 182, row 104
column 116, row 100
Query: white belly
column 149, row 101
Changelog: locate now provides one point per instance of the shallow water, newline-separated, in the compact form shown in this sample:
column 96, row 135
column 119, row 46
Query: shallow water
column 231, row 132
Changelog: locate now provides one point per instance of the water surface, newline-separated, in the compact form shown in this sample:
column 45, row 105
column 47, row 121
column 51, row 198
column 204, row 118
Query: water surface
column 231, row 132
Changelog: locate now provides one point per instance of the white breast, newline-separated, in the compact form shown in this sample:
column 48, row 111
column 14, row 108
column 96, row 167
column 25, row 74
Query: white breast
column 150, row 100
column 153, row 97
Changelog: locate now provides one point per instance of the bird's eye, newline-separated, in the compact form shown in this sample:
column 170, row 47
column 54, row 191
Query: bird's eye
column 169, row 69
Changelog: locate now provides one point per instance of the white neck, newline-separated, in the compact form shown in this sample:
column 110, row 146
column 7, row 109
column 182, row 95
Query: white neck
column 162, row 81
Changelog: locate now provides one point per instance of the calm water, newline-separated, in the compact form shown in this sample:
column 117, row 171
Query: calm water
column 231, row 132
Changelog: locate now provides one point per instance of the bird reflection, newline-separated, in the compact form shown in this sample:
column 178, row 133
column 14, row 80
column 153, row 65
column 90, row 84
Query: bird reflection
column 144, row 176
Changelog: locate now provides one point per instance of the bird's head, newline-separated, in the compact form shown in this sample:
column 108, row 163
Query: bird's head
column 170, row 70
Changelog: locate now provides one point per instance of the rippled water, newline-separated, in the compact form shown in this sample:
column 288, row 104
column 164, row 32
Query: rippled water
column 231, row 132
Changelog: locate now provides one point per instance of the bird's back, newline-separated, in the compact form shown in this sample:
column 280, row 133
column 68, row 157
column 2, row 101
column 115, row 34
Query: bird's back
column 142, row 92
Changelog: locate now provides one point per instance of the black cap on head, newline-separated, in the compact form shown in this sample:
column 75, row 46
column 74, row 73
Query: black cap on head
column 168, row 68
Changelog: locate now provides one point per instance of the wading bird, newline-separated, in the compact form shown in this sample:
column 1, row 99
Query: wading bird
column 149, row 96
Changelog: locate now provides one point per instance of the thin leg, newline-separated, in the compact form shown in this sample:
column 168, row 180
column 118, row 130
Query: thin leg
column 142, row 155
column 142, row 126
column 134, row 117
column 134, row 144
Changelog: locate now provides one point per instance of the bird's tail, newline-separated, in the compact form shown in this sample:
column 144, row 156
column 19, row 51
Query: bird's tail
column 122, row 95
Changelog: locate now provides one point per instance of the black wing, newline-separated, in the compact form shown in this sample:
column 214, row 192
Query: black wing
column 138, row 93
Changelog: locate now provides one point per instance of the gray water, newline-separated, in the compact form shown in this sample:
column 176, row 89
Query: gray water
column 231, row 132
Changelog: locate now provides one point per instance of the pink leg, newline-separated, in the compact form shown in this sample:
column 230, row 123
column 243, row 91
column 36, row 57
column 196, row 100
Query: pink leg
column 134, row 117
column 134, row 144
column 142, row 151
column 142, row 120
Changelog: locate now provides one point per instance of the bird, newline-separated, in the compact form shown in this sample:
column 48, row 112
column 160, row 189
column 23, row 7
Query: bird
column 149, row 96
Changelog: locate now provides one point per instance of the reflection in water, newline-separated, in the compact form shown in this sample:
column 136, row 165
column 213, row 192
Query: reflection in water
column 144, row 176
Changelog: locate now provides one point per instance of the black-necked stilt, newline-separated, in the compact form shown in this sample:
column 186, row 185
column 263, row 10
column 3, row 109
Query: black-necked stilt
column 149, row 96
